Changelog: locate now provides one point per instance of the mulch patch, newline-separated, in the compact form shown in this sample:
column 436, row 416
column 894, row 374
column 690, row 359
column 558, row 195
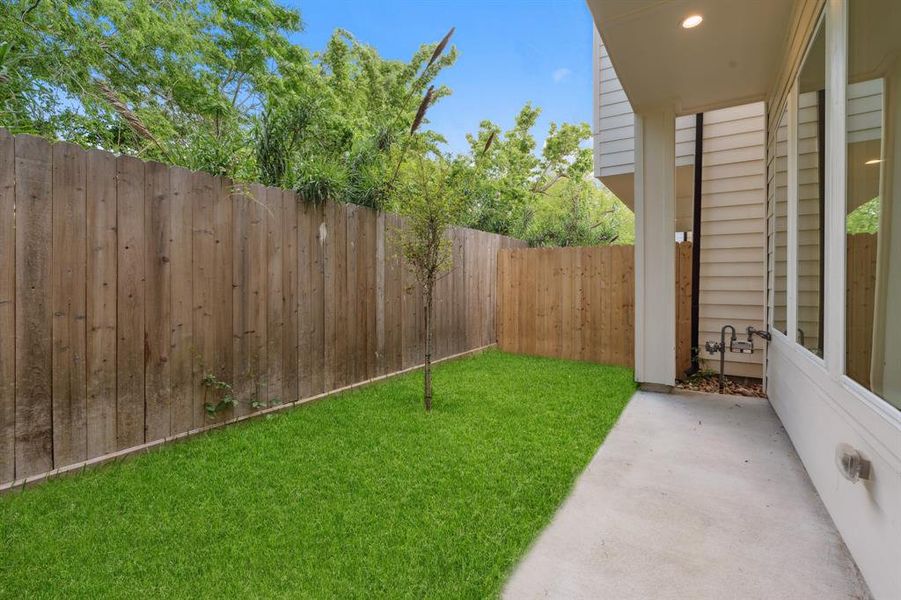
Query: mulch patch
column 711, row 384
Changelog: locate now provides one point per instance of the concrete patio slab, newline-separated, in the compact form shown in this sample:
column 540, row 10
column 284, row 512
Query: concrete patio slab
column 691, row 496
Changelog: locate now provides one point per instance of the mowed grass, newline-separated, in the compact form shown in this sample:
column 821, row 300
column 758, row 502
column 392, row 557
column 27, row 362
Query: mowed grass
column 360, row 495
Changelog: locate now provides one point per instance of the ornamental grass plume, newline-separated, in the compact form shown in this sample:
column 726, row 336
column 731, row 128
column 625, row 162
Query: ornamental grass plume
column 423, row 107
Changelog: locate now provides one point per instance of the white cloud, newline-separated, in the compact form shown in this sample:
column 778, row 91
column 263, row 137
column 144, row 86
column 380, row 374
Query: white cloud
column 560, row 74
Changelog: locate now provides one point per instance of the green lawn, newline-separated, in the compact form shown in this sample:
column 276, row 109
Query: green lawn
column 361, row 495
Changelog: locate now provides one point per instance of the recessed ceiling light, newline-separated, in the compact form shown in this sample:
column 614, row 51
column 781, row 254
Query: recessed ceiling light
column 692, row 21
column 874, row 161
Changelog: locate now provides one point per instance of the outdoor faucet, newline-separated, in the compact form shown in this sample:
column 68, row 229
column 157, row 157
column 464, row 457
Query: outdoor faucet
column 735, row 345
column 720, row 347
column 763, row 333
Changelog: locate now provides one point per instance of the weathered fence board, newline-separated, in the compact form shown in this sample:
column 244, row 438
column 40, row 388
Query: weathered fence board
column 578, row 303
column 34, row 217
column 126, row 283
column 683, row 307
column 290, row 309
column 68, row 269
column 100, row 291
column 7, row 307
column 130, row 303
column 181, row 355
column 157, row 299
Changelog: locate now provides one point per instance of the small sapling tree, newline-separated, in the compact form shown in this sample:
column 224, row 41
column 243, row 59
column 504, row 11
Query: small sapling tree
column 427, row 199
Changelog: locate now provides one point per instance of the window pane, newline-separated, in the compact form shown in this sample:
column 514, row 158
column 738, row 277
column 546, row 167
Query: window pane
column 811, row 194
column 873, row 216
column 779, row 192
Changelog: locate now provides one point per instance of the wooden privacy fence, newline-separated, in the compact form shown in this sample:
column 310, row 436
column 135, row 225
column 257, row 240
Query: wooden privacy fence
column 123, row 283
column 579, row 303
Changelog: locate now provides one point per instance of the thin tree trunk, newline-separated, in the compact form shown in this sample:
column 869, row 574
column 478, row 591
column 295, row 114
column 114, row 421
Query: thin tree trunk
column 428, row 347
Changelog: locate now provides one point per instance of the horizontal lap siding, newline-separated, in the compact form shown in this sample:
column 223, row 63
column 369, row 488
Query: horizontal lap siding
column 733, row 226
column 614, row 123
column 123, row 284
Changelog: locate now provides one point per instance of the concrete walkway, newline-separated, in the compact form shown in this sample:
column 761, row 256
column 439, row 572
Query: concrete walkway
column 691, row 496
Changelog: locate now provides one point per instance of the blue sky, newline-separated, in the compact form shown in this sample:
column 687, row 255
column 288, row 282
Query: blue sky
column 509, row 52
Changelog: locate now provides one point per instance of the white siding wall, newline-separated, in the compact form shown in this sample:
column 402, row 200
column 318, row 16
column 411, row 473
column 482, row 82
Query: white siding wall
column 614, row 128
column 614, row 135
column 733, row 231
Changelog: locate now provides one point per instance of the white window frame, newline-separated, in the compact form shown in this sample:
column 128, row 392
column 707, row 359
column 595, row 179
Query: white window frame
column 870, row 413
column 836, row 17
column 792, row 240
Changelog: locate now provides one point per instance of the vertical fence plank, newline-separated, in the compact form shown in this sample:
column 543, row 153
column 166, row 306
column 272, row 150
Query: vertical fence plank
column 602, row 289
column 317, row 291
column 130, row 302
column 489, row 290
column 472, row 302
column 569, row 309
column 329, row 245
column 250, row 300
column 223, row 284
column 290, row 268
column 458, row 313
column 410, row 317
column 7, row 307
column 543, row 338
column 354, row 295
column 157, row 300
column 439, row 312
column 486, row 293
column 101, row 278
column 212, row 292
column 371, row 286
column 203, row 248
column 275, row 298
column 508, row 301
column 342, row 317
column 683, row 308
column 381, row 265
column 181, row 327
column 627, row 291
column 502, row 309
column 393, row 297
column 307, row 227
column 34, row 429
column 69, row 382
column 556, row 292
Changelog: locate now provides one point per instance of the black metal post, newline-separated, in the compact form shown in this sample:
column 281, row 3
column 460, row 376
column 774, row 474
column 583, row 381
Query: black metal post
column 696, row 243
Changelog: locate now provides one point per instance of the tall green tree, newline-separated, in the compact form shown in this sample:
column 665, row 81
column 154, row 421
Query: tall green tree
column 339, row 129
column 172, row 81
column 547, row 198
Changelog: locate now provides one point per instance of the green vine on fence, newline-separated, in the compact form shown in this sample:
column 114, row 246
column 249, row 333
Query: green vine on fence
column 215, row 387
